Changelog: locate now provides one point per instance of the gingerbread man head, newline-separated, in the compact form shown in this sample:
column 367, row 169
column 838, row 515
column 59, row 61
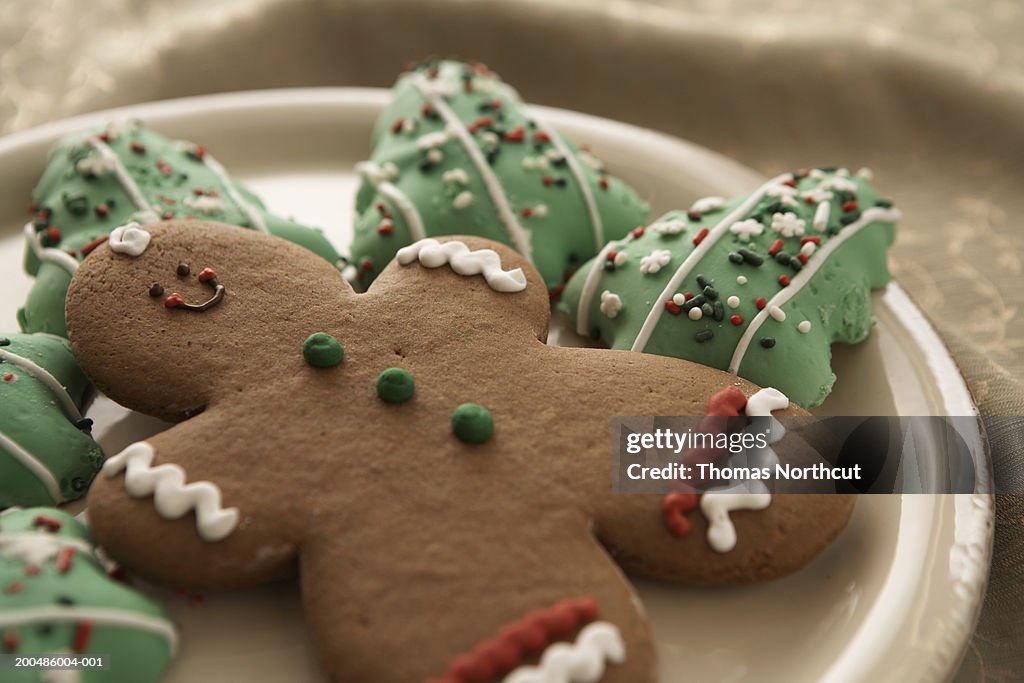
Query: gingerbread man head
column 436, row 475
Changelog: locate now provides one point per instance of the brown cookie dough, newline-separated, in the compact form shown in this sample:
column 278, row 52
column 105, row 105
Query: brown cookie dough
column 427, row 532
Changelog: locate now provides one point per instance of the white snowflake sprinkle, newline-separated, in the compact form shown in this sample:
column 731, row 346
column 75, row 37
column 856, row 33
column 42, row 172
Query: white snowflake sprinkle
column 433, row 140
column 746, row 229
column 707, row 204
column 669, row 227
column 611, row 304
column 839, row 183
column 96, row 165
column 205, row 204
column 788, row 225
column 817, row 195
column 655, row 261
column 780, row 190
column 817, row 173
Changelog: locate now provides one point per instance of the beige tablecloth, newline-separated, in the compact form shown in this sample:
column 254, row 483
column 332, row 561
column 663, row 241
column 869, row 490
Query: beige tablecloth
column 929, row 93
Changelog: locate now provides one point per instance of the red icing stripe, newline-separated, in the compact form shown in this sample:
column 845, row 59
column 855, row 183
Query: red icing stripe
column 529, row 635
column 50, row 523
column 699, row 237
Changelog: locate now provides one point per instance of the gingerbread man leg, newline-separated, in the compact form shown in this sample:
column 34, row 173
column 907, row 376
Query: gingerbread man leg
column 457, row 598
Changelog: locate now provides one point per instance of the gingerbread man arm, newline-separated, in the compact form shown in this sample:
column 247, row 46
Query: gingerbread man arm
column 470, row 598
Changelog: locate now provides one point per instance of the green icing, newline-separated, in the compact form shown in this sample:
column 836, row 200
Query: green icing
column 321, row 350
column 395, row 385
column 472, row 423
column 84, row 200
column 835, row 301
column 34, row 420
column 448, row 190
column 29, row 557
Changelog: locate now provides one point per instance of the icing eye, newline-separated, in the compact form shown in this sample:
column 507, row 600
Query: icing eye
column 183, row 269
column 156, row 290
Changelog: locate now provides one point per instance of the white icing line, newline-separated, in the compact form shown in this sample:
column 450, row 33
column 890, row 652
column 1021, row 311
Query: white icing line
column 486, row 262
column 125, row 179
column 34, row 465
column 519, row 237
column 410, row 214
column 802, row 278
column 99, row 616
column 590, row 286
column 246, row 207
column 172, row 497
column 577, row 171
column 579, row 662
column 48, row 254
column 43, row 375
column 644, row 335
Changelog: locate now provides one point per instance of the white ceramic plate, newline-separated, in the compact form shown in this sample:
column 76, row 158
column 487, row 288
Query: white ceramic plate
column 894, row 599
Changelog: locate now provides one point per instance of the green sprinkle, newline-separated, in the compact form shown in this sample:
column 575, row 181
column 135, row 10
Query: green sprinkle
column 609, row 266
column 703, row 282
column 472, row 423
column 850, row 217
column 321, row 350
column 703, row 336
column 710, row 293
column 707, row 309
column 783, row 258
column 695, row 302
column 751, row 258
column 735, row 257
column 719, row 311
column 767, row 342
column 395, row 385
column 884, row 203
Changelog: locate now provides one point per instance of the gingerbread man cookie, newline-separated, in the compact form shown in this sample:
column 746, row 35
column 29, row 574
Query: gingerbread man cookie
column 435, row 474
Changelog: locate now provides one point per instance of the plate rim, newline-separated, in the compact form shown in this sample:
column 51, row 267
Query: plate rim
column 974, row 513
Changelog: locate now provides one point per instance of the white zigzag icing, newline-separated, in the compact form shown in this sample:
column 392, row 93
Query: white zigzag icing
column 486, row 262
column 579, row 662
column 172, row 497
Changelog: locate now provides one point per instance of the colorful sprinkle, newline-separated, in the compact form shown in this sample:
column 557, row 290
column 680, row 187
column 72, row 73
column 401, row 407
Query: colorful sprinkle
column 733, row 301
column 768, row 342
column 699, row 237
column 804, row 326
column 784, row 280
column 736, row 319
column 760, row 302
column 704, row 336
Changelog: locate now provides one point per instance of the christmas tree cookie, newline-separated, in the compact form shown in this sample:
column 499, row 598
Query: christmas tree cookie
column 760, row 285
column 98, row 180
column 458, row 152
column 47, row 455
column 56, row 600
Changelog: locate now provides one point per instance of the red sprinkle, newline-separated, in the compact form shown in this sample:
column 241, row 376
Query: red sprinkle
column 675, row 506
column 101, row 210
column 164, row 168
column 396, row 127
column 53, row 234
column 199, row 152
column 31, row 570
column 548, row 180
column 699, row 237
column 9, row 376
column 207, row 274
column 382, row 210
column 602, row 183
column 13, row 587
column 515, row 135
column 50, row 523
column 789, row 183
column 775, row 248
column 802, row 258
column 687, row 296
column 805, row 240
column 138, row 147
column 760, row 303
column 198, row 191
column 784, row 280
column 673, row 308
column 83, row 634
column 11, row 641
column 638, row 232
column 495, row 103
column 385, row 228
column 850, row 205
column 87, row 249
column 426, row 110
column 174, row 300
column 541, row 136
column 167, row 215
column 556, row 292
column 611, row 255
column 736, row 319
column 366, row 265
column 527, row 212
column 65, row 557
column 482, row 122
column 808, row 200
column 693, row 215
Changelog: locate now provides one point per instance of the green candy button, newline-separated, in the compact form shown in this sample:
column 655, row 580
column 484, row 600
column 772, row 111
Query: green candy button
column 472, row 423
column 321, row 350
column 395, row 385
